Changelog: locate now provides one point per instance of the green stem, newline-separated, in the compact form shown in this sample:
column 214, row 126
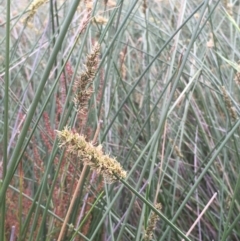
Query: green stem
column 5, row 129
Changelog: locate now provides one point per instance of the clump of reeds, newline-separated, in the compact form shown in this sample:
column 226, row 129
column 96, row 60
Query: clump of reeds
column 228, row 103
column 151, row 226
column 92, row 156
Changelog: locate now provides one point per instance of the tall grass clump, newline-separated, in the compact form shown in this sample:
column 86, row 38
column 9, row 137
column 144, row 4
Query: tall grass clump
column 119, row 120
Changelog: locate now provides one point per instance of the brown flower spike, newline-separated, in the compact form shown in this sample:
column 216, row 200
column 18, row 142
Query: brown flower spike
column 82, row 91
column 228, row 103
column 33, row 8
column 91, row 155
column 152, row 223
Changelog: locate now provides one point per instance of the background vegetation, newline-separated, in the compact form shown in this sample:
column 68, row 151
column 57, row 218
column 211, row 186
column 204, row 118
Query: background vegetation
column 163, row 99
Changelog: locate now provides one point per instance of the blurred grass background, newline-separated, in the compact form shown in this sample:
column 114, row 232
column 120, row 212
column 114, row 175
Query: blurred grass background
column 166, row 99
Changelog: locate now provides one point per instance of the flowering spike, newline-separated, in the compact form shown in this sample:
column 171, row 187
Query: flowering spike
column 82, row 91
column 91, row 155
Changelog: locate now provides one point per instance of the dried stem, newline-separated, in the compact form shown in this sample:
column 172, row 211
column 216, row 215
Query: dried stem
column 76, row 192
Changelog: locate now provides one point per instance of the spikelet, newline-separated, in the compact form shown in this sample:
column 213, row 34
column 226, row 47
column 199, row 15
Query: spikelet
column 151, row 226
column 237, row 75
column 237, row 78
column 228, row 103
column 210, row 42
column 89, row 5
column 177, row 149
column 33, row 8
column 91, row 155
column 110, row 3
column 144, row 6
column 100, row 20
column 82, row 91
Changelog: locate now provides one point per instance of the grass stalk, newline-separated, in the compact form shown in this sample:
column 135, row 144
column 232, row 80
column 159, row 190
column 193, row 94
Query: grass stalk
column 80, row 183
column 6, row 121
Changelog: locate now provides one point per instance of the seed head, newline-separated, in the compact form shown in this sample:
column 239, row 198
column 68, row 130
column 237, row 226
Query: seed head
column 91, row 155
